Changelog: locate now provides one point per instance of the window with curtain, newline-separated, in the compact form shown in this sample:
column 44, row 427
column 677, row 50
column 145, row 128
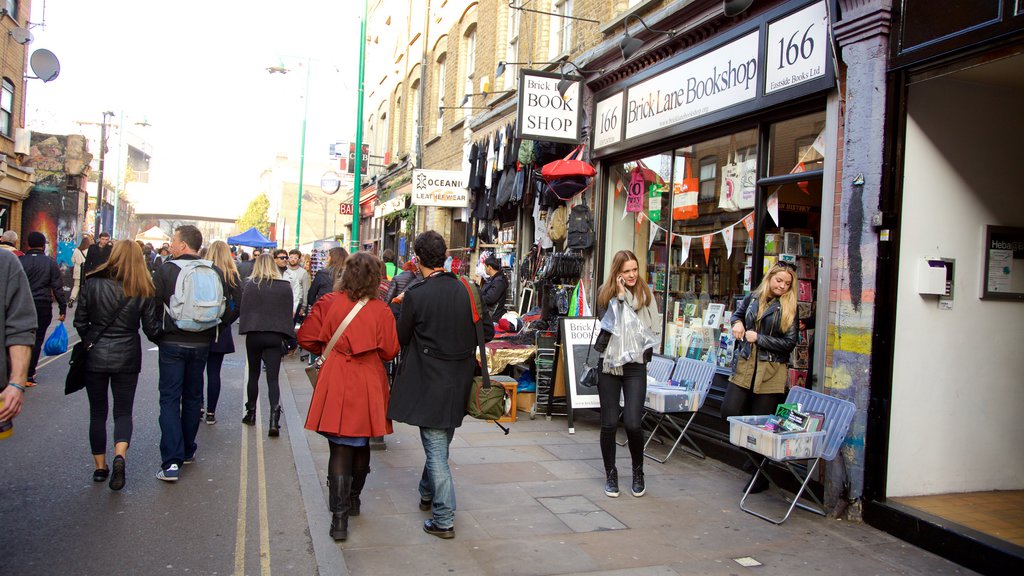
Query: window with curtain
column 469, row 49
column 439, row 82
column 7, row 109
column 511, row 74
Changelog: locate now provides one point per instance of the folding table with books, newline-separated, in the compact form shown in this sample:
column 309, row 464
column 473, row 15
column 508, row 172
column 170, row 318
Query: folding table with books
column 787, row 448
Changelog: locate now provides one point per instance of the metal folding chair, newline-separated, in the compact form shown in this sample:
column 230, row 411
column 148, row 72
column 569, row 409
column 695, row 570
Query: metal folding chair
column 659, row 370
column 838, row 415
column 698, row 375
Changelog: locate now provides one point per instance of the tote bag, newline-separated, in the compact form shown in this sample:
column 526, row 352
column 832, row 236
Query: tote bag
column 684, row 195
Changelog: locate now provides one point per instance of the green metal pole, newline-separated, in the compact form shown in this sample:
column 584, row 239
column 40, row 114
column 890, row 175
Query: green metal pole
column 358, row 180
column 302, row 157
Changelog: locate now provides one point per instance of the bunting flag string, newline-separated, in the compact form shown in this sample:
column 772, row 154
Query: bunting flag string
column 773, row 207
column 727, row 236
column 748, row 222
column 706, row 240
column 684, row 251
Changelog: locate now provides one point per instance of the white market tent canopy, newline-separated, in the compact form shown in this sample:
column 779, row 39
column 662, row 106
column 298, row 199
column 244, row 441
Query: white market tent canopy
column 154, row 236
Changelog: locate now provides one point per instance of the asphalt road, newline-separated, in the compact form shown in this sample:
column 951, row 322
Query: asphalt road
column 238, row 510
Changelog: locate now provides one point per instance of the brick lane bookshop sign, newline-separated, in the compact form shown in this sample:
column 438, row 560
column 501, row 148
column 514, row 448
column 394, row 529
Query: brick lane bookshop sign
column 795, row 53
column 544, row 114
column 445, row 188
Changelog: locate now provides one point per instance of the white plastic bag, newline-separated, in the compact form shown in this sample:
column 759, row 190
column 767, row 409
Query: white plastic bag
column 629, row 338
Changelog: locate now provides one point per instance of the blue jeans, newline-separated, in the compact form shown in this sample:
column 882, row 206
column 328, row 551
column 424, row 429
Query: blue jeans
column 436, row 481
column 181, row 395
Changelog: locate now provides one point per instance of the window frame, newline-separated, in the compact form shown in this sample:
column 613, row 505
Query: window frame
column 7, row 95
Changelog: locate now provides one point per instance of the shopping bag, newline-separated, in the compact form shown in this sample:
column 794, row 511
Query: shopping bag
column 684, row 195
column 732, row 183
column 748, row 183
column 571, row 165
column 57, row 343
column 486, row 400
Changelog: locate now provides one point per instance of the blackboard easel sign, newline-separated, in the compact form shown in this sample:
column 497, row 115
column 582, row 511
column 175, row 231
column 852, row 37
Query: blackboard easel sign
column 578, row 337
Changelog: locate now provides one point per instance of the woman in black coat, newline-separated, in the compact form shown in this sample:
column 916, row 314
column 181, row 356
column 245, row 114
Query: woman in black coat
column 323, row 282
column 266, row 318
column 119, row 292
column 224, row 343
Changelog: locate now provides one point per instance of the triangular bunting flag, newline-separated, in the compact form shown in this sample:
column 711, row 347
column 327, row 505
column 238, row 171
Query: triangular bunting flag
column 651, row 234
column 727, row 236
column 684, row 250
column 773, row 207
column 748, row 223
column 707, row 248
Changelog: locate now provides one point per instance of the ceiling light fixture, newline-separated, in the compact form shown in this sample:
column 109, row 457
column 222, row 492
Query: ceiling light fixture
column 735, row 7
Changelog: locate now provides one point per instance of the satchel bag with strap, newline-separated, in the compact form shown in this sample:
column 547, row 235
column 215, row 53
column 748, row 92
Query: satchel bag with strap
column 486, row 401
column 75, row 379
column 313, row 370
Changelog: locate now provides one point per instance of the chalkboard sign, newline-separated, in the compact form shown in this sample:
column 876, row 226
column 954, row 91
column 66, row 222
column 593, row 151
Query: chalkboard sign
column 1004, row 263
column 578, row 337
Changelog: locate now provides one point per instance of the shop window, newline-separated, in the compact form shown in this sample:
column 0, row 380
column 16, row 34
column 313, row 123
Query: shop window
column 708, row 177
column 7, row 108
column 797, row 145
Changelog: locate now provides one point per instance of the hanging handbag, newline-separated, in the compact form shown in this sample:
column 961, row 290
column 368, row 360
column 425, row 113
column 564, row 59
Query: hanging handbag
column 75, row 379
column 571, row 165
column 590, row 372
column 486, row 401
column 684, row 195
column 313, row 370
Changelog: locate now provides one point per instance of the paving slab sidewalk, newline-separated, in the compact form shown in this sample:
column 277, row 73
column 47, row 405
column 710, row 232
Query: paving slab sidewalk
column 531, row 503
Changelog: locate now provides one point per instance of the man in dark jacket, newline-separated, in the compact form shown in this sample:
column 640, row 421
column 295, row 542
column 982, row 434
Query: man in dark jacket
column 45, row 280
column 17, row 333
column 495, row 288
column 244, row 266
column 404, row 280
column 438, row 340
column 98, row 253
column 182, row 361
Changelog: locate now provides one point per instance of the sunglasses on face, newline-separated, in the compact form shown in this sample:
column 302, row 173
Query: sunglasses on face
column 280, row 257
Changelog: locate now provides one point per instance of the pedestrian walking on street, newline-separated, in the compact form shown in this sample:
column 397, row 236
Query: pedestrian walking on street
column 323, row 282
column 438, row 338
column 295, row 274
column 267, row 321
column 409, row 275
column 624, row 288
column 77, row 266
column 47, row 285
column 98, row 253
column 244, row 266
column 223, row 343
column 765, row 325
column 494, row 288
column 119, row 295
column 9, row 242
column 17, row 333
column 349, row 403
column 388, row 256
column 190, row 322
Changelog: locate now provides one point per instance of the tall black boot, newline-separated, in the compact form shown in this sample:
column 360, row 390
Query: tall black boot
column 275, row 422
column 340, row 488
column 358, row 481
column 250, row 417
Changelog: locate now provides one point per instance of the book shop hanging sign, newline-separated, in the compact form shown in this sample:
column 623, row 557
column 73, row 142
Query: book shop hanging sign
column 547, row 114
column 445, row 188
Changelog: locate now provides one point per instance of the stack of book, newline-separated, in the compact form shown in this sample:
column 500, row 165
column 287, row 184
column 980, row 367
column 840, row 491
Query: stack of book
column 791, row 418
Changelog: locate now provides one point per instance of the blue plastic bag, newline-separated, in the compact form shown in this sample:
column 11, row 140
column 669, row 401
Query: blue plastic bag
column 57, row 343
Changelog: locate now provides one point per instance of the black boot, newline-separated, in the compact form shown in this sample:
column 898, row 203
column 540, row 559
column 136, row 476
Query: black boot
column 275, row 422
column 358, row 481
column 611, row 486
column 639, row 487
column 340, row 488
column 250, row 417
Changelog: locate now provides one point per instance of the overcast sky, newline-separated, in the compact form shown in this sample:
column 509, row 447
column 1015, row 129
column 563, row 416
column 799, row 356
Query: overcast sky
column 199, row 78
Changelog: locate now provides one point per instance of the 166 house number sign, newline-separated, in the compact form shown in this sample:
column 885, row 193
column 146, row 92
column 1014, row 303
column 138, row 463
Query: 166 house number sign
column 796, row 52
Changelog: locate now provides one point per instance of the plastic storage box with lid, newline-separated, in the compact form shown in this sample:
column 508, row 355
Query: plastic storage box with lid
column 746, row 432
column 671, row 399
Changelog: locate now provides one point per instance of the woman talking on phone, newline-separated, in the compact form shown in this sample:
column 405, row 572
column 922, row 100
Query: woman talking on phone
column 624, row 292
column 765, row 326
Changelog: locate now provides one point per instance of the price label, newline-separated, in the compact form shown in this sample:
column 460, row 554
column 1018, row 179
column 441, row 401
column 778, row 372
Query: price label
column 797, row 48
column 608, row 128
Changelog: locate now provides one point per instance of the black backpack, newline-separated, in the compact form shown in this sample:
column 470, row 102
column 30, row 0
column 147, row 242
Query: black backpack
column 580, row 230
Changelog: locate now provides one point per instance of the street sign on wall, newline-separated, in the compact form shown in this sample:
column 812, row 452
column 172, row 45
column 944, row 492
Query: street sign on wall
column 544, row 114
column 445, row 188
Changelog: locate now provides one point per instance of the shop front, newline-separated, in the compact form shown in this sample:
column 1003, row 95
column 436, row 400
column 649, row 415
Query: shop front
column 945, row 471
column 717, row 165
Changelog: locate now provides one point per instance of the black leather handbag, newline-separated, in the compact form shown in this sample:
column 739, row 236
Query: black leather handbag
column 75, row 379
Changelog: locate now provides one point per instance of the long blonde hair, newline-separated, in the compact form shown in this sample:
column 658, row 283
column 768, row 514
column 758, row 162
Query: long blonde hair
column 220, row 255
column 787, row 301
column 641, row 292
column 265, row 269
column 127, row 266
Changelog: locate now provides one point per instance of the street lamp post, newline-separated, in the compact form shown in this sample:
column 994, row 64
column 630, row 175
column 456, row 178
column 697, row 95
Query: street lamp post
column 99, row 182
column 302, row 157
column 358, row 184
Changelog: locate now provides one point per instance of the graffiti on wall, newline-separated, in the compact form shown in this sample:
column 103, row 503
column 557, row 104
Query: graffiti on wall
column 55, row 214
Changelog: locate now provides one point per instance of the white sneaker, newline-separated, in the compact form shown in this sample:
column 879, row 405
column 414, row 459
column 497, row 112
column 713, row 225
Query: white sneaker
column 169, row 474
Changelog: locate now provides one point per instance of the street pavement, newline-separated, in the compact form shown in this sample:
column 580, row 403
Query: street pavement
column 529, row 503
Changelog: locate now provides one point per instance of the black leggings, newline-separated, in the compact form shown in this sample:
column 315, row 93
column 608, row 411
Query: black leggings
column 214, row 361
column 741, row 401
column 633, row 385
column 265, row 346
column 345, row 460
column 122, row 386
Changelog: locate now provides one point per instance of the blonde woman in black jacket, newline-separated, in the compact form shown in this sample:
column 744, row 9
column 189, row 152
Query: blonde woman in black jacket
column 119, row 292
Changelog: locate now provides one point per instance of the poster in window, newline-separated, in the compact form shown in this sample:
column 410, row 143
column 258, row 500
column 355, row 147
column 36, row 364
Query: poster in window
column 1003, row 275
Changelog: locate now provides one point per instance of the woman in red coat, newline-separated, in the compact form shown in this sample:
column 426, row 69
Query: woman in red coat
column 350, row 401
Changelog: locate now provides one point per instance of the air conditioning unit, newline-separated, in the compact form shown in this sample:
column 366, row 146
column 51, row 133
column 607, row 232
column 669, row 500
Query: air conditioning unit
column 22, row 141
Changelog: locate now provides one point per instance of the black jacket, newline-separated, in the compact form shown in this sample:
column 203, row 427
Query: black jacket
column 245, row 268
column 400, row 283
column 323, row 283
column 773, row 345
column 267, row 307
column 119, row 349
column 44, row 278
column 95, row 256
column 438, row 341
column 493, row 293
column 164, row 279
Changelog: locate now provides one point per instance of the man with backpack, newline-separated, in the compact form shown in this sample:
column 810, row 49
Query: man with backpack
column 192, row 293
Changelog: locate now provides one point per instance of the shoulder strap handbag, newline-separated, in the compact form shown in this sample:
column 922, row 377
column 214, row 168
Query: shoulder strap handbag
column 75, row 379
column 486, row 401
column 313, row 370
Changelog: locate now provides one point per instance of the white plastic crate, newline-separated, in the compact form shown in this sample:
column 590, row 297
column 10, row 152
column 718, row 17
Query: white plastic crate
column 745, row 432
column 671, row 399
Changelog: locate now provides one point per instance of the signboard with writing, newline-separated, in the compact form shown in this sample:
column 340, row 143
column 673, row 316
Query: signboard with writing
column 608, row 121
column 345, row 209
column 445, row 188
column 578, row 337
column 796, row 48
column 716, row 80
column 544, row 114
column 1004, row 264
column 350, row 165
